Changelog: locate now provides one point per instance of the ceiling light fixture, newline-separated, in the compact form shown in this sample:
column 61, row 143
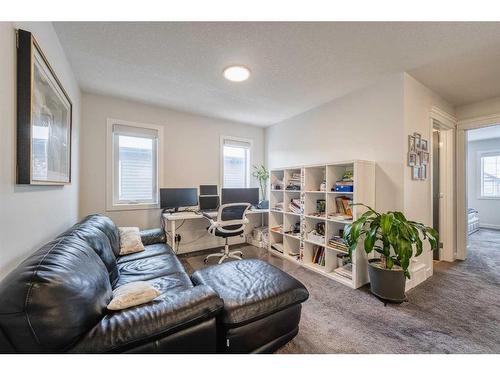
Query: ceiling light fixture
column 236, row 73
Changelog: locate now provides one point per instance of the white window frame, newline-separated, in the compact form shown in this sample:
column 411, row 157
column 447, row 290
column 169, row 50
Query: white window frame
column 111, row 204
column 250, row 158
column 479, row 179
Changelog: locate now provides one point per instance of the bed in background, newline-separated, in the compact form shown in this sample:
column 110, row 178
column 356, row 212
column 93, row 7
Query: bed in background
column 472, row 221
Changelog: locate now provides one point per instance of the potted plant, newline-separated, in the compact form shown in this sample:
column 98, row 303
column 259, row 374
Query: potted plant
column 262, row 175
column 397, row 240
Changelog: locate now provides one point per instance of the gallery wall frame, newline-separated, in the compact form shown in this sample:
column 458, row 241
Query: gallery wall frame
column 44, row 118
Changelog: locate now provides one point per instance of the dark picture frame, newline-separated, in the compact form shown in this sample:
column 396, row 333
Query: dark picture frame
column 44, row 118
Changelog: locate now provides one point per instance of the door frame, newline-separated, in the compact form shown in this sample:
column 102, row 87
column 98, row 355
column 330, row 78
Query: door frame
column 447, row 124
column 462, row 127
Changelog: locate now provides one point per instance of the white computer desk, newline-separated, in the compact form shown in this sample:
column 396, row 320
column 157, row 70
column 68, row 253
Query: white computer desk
column 172, row 218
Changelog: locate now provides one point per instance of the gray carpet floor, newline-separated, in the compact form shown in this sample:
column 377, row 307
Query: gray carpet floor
column 457, row 310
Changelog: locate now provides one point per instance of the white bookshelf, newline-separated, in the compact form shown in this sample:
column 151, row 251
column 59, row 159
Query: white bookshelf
column 311, row 177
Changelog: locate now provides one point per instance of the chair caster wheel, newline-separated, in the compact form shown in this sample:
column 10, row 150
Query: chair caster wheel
column 205, row 261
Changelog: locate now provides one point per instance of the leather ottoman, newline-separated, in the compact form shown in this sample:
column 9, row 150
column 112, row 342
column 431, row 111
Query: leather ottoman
column 262, row 305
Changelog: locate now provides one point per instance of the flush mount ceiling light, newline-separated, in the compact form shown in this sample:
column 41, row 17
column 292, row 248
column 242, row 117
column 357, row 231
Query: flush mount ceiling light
column 236, row 73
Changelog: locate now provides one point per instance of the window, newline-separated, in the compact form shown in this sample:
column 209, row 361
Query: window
column 235, row 162
column 133, row 168
column 490, row 175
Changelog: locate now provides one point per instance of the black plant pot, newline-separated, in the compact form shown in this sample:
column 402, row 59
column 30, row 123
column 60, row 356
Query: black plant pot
column 388, row 285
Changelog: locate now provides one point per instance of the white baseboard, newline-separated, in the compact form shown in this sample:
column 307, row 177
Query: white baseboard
column 489, row 226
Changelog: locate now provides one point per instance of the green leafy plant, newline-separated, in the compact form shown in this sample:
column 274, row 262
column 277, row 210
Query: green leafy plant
column 262, row 175
column 391, row 235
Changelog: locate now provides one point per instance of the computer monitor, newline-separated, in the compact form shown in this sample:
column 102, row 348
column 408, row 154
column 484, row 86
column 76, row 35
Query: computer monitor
column 209, row 202
column 240, row 195
column 173, row 198
column 209, row 190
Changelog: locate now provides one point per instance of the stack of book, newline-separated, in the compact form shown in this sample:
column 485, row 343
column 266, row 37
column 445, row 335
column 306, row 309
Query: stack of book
column 278, row 206
column 338, row 243
column 319, row 256
column 295, row 206
column 345, row 271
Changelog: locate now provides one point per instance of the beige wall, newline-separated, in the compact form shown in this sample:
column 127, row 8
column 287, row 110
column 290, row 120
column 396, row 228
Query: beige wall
column 418, row 103
column 31, row 215
column 366, row 124
column 191, row 147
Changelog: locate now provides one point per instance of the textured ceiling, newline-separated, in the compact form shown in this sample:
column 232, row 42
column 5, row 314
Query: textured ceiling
column 295, row 66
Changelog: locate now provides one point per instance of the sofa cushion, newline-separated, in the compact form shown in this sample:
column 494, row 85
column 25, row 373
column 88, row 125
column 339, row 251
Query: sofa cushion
column 54, row 296
column 149, row 251
column 130, row 240
column 251, row 289
column 133, row 294
column 99, row 232
column 144, row 269
column 119, row 331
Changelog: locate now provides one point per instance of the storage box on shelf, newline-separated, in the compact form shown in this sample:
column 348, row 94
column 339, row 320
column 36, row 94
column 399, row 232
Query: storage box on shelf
column 311, row 195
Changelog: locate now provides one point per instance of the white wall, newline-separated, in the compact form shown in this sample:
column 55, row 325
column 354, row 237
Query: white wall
column 418, row 103
column 488, row 208
column 366, row 124
column 191, row 146
column 32, row 215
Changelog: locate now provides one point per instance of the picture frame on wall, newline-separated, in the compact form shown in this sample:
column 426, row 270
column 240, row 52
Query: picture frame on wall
column 44, row 118
column 415, row 173
column 425, row 158
column 423, row 172
column 412, row 159
column 418, row 141
column 424, row 145
column 411, row 143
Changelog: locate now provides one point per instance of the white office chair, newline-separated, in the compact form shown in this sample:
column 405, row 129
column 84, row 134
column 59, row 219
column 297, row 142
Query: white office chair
column 230, row 222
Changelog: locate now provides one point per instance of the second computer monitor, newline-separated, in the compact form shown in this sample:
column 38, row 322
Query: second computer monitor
column 240, row 195
column 209, row 190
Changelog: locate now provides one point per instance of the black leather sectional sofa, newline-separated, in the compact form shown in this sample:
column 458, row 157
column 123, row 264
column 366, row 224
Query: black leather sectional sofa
column 55, row 301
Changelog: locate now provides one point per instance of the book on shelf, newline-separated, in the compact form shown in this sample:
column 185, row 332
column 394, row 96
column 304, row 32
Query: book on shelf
column 343, row 204
column 295, row 206
column 319, row 256
column 338, row 243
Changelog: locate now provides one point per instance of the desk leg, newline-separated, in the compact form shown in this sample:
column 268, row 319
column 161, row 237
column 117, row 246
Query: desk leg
column 172, row 233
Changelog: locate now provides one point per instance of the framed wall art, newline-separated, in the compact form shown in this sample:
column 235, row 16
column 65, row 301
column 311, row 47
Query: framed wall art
column 44, row 118
column 418, row 156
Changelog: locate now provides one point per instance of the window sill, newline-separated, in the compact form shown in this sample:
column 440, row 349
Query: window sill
column 132, row 207
column 488, row 198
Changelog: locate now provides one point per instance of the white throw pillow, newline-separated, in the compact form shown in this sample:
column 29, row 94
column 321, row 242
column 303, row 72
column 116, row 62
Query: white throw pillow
column 130, row 240
column 132, row 294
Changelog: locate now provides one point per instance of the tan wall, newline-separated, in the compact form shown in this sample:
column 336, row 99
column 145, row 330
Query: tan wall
column 191, row 146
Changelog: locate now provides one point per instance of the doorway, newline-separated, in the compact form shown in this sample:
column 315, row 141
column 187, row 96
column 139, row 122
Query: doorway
column 466, row 130
column 483, row 186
